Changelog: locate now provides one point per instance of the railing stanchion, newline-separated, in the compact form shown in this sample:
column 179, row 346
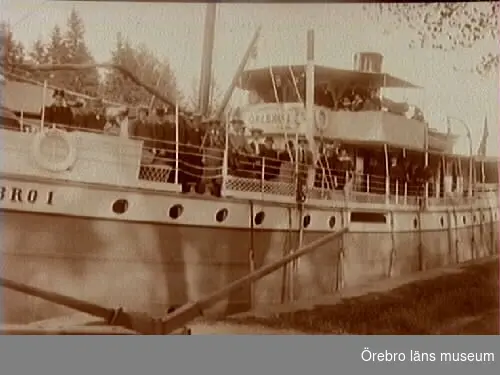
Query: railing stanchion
column 176, row 143
column 406, row 194
column 367, row 183
column 262, row 175
column 397, row 191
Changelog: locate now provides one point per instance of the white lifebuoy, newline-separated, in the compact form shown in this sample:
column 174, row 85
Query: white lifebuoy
column 66, row 162
column 320, row 120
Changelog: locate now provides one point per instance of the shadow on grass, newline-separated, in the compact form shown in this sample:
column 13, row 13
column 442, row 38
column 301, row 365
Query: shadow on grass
column 419, row 308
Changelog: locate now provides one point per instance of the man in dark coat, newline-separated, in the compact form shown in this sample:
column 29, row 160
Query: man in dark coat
column 95, row 118
column 344, row 168
column 270, row 160
column 58, row 112
column 79, row 113
column 141, row 129
column 191, row 157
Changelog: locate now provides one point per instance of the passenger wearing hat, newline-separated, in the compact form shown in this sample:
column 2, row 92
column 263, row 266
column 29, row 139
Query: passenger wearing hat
column 58, row 112
column 270, row 159
column 95, row 118
column 170, row 138
column 191, row 156
column 123, row 121
column 344, row 168
column 242, row 162
column 165, row 139
column 255, row 142
column 306, row 167
column 213, row 146
column 141, row 129
column 79, row 113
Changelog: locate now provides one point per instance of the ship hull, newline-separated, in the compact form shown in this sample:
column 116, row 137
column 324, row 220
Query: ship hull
column 143, row 263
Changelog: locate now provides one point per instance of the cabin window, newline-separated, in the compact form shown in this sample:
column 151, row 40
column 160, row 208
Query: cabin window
column 441, row 220
column 306, row 221
column 221, row 215
column 464, row 220
column 332, row 222
column 415, row 223
column 259, row 218
column 120, row 206
column 175, row 211
column 368, row 217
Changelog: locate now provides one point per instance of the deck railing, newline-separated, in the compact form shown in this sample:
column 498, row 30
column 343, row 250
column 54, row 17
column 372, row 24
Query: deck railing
column 270, row 179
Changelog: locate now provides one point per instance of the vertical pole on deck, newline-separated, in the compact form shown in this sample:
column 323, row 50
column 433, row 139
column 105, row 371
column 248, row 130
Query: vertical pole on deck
column 225, row 160
column 44, row 99
column 176, row 142
column 21, row 124
column 206, row 61
column 426, row 161
column 310, row 88
column 483, row 174
column 387, row 179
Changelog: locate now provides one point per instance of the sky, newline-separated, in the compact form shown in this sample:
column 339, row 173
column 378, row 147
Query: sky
column 175, row 31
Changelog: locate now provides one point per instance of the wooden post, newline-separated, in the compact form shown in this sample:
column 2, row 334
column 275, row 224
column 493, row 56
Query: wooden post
column 44, row 99
column 177, row 143
column 387, row 177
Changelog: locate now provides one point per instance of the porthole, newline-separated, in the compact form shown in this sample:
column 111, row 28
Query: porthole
column 259, row 218
column 175, row 211
column 120, row 206
column 221, row 215
column 441, row 220
column 464, row 220
column 332, row 222
column 415, row 223
column 306, row 221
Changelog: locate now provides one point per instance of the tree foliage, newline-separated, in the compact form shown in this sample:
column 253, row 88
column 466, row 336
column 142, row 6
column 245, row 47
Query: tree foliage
column 77, row 52
column 143, row 63
column 446, row 26
column 12, row 51
column 66, row 47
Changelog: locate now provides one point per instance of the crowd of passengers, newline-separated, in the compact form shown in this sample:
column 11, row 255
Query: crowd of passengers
column 353, row 98
column 202, row 146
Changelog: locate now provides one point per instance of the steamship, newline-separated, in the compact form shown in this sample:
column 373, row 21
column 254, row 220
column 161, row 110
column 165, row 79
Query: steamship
column 79, row 218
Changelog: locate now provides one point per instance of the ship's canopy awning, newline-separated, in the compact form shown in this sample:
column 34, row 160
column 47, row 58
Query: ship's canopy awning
column 26, row 97
column 257, row 78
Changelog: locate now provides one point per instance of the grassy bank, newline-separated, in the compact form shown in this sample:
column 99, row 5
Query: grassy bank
column 464, row 303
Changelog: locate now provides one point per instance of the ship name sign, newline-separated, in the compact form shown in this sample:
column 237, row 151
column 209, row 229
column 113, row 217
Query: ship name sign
column 30, row 196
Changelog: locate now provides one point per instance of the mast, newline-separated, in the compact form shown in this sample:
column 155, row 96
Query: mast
column 237, row 75
column 206, row 59
column 310, row 92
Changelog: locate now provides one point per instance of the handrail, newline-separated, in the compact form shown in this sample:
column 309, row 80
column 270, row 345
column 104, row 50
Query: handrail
column 363, row 184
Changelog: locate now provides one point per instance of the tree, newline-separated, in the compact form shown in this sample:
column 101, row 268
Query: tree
column 12, row 51
column 67, row 48
column 77, row 52
column 39, row 55
column 147, row 67
column 57, row 54
column 446, row 26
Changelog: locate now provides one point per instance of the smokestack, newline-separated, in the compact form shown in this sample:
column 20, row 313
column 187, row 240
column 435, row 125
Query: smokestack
column 369, row 62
